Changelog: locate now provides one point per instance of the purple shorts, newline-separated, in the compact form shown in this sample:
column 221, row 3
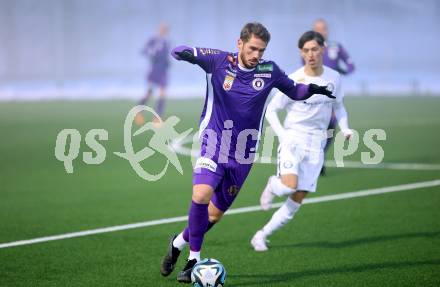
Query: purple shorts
column 158, row 75
column 225, row 178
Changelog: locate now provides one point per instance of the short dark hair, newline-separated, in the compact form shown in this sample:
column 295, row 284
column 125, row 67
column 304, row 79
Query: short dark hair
column 309, row 36
column 256, row 29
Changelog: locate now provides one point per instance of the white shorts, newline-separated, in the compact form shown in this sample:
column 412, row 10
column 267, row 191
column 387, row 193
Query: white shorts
column 305, row 163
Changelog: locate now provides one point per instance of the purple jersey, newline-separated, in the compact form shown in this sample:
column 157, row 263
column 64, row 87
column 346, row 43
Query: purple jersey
column 337, row 58
column 157, row 50
column 236, row 101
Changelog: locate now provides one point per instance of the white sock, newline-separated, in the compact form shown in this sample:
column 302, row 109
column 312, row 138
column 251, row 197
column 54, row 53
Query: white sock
column 283, row 215
column 279, row 188
column 194, row 255
column 179, row 242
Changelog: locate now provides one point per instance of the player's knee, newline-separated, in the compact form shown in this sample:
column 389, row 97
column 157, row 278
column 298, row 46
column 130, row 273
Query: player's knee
column 290, row 182
column 201, row 194
column 298, row 196
column 200, row 197
column 214, row 218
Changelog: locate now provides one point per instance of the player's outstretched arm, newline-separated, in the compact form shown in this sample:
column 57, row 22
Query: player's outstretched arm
column 342, row 118
column 206, row 58
column 299, row 92
column 278, row 102
column 323, row 90
column 184, row 53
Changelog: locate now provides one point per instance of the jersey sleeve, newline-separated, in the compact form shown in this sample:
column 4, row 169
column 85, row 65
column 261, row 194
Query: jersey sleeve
column 278, row 102
column 288, row 87
column 206, row 58
column 339, row 92
column 345, row 58
column 339, row 107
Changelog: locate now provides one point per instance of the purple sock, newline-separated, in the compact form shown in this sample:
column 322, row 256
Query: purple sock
column 160, row 105
column 197, row 223
column 186, row 234
column 186, row 231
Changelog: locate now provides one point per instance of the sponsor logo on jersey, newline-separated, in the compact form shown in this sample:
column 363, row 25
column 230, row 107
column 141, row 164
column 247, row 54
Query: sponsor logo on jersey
column 204, row 162
column 227, row 84
column 231, row 73
column 323, row 102
column 264, row 75
column 265, row 67
column 258, row 84
column 207, row 51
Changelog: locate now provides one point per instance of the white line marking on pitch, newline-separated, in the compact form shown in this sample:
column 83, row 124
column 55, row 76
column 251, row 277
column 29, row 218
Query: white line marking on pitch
column 360, row 193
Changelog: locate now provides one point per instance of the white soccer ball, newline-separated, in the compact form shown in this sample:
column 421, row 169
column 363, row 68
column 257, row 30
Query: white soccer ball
column 208, row 273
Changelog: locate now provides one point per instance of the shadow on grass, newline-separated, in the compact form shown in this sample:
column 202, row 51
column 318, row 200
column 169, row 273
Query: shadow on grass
column 359, row 241
column 270, row 279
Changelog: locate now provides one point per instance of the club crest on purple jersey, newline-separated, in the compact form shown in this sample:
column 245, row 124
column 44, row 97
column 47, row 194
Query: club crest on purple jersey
column 258, row 84
column 227, row 84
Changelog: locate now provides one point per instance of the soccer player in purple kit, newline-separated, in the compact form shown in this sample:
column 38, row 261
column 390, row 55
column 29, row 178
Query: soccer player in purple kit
column 238, row 85
column 336, row 58
column 157, row 50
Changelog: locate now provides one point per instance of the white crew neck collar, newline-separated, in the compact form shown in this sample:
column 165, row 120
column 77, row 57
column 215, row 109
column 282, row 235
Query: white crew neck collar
column 244, row 68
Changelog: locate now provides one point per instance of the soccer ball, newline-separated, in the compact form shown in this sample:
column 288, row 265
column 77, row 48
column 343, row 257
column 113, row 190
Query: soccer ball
column 208, row 273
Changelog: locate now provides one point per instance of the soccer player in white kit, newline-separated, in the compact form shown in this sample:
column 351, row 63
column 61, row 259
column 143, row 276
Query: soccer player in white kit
column 302, row 137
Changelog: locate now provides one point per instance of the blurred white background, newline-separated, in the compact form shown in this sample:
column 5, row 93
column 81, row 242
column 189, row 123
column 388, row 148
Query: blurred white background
column 91, row 48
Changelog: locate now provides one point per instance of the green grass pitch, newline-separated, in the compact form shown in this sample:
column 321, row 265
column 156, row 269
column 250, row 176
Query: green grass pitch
column 381, row 240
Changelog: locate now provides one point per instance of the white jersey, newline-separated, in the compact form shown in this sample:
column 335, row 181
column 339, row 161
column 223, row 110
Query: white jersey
column 308, row 120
